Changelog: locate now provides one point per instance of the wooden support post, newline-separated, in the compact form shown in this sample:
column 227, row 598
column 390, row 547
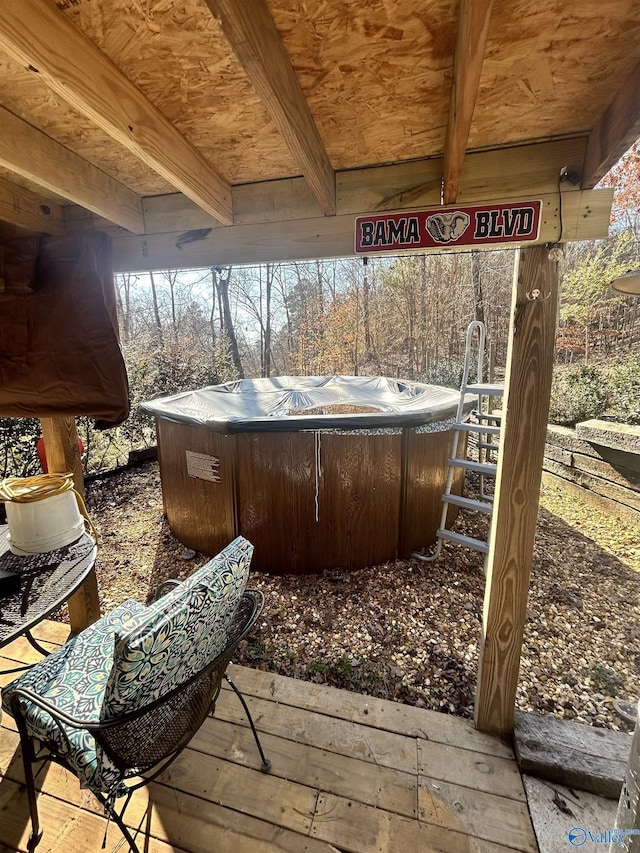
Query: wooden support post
column 61, row 447
column 525, row 412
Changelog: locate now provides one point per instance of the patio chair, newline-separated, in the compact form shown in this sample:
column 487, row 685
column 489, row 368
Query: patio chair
column 124, row 697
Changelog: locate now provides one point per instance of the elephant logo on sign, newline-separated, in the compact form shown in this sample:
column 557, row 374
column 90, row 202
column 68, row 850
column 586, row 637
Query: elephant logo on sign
column 445, row 227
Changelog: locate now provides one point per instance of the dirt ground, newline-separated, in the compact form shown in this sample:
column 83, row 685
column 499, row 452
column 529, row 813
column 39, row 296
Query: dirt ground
column 409, row 630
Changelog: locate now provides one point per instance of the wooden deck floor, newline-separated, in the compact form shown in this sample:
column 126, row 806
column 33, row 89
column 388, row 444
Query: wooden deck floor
column 350, row 773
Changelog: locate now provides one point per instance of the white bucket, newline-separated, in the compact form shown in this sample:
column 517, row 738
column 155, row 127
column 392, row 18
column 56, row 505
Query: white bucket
column 44, row 525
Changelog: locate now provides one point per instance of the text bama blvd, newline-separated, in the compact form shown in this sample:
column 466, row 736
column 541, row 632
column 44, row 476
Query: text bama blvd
column 464, row 226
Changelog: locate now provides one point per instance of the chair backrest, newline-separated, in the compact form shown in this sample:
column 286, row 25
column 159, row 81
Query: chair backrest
column 143, row 738
column 178, row 635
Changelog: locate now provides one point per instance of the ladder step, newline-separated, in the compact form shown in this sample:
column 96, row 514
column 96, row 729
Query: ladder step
column 488, row 445
column 484, row 390
column 468, row 503
column 467, row 541
column 480, row 467
column 485, row 416
column 478, row 428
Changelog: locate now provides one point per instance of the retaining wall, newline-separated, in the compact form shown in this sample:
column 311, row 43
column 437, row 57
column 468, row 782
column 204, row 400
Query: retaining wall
column 599, row 461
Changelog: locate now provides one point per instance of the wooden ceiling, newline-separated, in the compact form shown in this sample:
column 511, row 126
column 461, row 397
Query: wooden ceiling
column 167, row 115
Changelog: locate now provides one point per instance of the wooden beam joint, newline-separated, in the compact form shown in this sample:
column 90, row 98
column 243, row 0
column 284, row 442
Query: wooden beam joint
column 25, row 209
column 39, row 35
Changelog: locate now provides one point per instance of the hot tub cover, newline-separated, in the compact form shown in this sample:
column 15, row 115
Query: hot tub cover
column 264, row 404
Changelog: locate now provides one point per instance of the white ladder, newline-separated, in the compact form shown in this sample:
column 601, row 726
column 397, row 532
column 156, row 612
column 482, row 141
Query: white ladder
column 487, row 428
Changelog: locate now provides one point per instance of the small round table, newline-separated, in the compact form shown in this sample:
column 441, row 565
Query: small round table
column 46, row 582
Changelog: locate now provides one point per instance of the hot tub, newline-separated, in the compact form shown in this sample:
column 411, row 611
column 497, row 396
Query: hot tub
column 317, row 472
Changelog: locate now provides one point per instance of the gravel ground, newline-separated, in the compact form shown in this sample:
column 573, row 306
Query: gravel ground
column 409, row 630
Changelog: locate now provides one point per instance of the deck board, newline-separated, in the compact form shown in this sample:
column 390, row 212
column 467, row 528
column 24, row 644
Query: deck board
column 471, row 769
column 361, row 829
column 350, row 773
column 483, row 815
column 388, row 789
column 339, row 736
column 368, row 711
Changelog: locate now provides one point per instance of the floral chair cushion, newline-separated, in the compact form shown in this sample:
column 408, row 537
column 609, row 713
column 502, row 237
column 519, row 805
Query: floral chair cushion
column 177, row 635
column 131, row 657
column 74, row 679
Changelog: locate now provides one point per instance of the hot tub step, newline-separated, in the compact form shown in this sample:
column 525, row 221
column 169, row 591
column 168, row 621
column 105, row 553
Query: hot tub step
column 468, row 503
column 469, row 465
column 467, row 541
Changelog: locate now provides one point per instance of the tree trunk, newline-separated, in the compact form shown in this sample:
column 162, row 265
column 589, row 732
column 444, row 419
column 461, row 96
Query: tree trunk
column 223, row 294
column 422, row 367
column 156, row 311
column 127, row 304
column 365, row 311
column 171, row 277
column 220, row 308
column 478, row 301
column 120, row 313
column 212, row 315
column 267, row 323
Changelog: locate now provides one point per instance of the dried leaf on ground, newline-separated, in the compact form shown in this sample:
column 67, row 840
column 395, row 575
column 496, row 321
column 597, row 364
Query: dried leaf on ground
column 409, row 630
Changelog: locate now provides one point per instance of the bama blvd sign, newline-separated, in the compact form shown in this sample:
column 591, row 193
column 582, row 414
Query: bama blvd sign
column 449, row 227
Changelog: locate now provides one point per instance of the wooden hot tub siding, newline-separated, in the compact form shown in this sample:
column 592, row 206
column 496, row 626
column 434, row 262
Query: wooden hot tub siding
column 379, row 496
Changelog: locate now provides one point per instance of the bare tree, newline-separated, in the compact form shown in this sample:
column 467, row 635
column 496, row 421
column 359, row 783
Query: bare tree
column 267, row 324
column 221, row 283
column 156, row 309
column 171, row 277
column 123, row 304
column 476, row 283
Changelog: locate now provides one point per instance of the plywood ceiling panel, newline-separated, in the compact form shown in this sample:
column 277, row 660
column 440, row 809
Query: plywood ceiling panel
column 376, row 74
column 25, row 95
column 176, row 54
column 539, row 77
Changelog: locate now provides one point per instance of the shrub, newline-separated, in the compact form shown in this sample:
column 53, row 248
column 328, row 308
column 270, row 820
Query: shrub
column 447, row 373
column 157, row 370
column 624, row 380
column 18, row 439
column 577, row 394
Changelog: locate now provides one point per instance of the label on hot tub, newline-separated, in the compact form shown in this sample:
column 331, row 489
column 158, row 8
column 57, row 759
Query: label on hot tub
column 203, row 467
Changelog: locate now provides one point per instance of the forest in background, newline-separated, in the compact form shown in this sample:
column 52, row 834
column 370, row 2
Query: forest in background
column 395, row 316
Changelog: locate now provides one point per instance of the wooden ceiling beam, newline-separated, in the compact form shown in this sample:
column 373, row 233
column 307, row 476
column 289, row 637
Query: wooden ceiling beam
column 34, row 155
column 616, row 131
column 523, row 171
column 473, row 29
column 585, row 217
column 25, row 209
column 251, row 32
column 42, row 38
